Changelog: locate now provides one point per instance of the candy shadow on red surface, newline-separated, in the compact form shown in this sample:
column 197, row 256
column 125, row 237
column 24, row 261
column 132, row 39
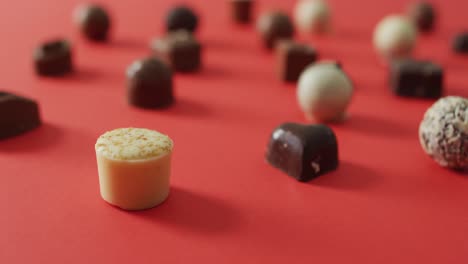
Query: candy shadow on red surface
column 348, row 176
column 83, row 74
column 42, row 137
column 188, row 210
column 214, row 72
column 377, row 126
column 188, row 107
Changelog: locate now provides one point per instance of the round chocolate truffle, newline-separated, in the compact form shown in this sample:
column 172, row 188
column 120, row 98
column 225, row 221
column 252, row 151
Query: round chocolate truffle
column 149, row 84
column 443, row 132
column 460, row 43
column 423, row 15
column 181, row 17
column 53, row 58
column 324, row 92
column 312, row 16
column 274, row 26
column 94, row 22
column 395, row 37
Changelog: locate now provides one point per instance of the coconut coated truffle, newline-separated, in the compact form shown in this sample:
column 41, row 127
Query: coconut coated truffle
column 395, row 37
column 312, row 16
column 324, row 92
column 443, row 132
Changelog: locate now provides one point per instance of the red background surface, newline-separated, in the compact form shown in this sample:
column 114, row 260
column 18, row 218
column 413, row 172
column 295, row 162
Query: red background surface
column 387, row 203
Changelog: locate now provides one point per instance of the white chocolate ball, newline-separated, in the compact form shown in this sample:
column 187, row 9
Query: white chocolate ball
column 324, row 92
column 312, row 16
column 395, row 37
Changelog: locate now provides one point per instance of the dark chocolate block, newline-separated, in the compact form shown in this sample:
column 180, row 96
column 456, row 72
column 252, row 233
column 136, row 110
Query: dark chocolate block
column 274, row 26
column 293, row 58
column 53, row 58
column 180, row 50
column 149, row 84
column 241, row 10
column 423, row 15
column 460, row 43
column 94, row 22
column 413, row 78
column 303, row 151
column 17, row 115
column 181, row 17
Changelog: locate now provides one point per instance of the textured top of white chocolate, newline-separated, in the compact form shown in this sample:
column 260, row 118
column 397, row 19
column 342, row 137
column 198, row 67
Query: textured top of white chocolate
column 133, row 144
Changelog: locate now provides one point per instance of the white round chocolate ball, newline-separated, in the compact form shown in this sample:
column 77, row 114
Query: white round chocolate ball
column 312, row 16
column 395, row 37
column 324, row 92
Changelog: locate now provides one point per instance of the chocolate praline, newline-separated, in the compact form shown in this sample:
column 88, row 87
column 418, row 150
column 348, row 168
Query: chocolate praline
column 150, row 84
column 181, row 17
column 53, row 58
column 241, row 10
column 303, row 152
column 274, row 26
column 94, row 22
column 443, row 132
column 423, row 15
column 18, row 114
column 460, row 43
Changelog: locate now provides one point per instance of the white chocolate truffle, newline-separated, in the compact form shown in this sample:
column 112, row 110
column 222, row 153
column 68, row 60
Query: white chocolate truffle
column 395, row 37
column 324, row 92
column 443, row 132
column 134, row 167
column 312, row 16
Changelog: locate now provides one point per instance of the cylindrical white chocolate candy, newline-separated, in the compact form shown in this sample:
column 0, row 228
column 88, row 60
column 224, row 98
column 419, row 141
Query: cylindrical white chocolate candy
column 312, row 16
column 395, row 37
column 324, row 92
column 134, row 166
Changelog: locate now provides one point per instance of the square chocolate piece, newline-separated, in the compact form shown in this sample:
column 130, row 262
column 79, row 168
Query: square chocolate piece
column 241, row 10
column 180, row 50
column 304, row 152
column 412, row 78
column 17, row 115
column 293, row 58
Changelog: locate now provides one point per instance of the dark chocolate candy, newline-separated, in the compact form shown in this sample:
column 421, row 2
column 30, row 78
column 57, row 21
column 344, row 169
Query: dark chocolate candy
column 241, row 10
column 53, row 58
column 293, row 58
column 460, row 43
column 412, row 78
column 150, row 84
column 94, row 22
column 180, row 50
column 303, row 151
column 274, row 26
column 17, row 115
column 181, row 17
column 423, row 15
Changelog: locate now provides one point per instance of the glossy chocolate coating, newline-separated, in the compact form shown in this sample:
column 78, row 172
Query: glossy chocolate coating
column 53, row 58
column 149, row 84
column 460, row 43
column 94, row 22
column 304, row 152
column 17, row 115
column 423, row 15
column 241, row 11
column 274, row 26
column 181, row 17
column 180, row 50
column 293, row 58
column 413, row 78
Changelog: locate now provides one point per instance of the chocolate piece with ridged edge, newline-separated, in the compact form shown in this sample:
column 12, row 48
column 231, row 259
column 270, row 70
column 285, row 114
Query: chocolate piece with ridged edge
column 304, row 152
column 94, row 22
column 17, row 115
column 181, row 17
